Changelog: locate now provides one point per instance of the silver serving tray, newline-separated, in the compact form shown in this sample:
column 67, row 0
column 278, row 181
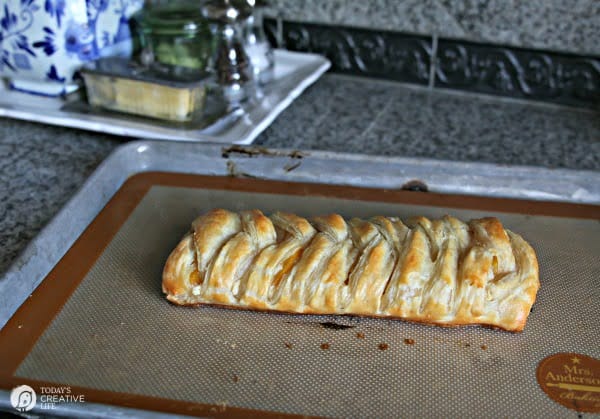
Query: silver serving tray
column 44, row 252
column 294, row 72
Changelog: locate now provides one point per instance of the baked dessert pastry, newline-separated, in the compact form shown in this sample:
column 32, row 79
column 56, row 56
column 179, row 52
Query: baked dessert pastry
column 443, row 272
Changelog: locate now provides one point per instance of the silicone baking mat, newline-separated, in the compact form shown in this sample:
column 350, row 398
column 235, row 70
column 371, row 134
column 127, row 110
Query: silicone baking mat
column 99, row 322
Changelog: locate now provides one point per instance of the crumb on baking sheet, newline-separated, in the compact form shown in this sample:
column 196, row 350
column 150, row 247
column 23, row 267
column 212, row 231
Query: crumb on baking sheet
column 258, row 151
column 235, row 378
column 383, row 346
column 409, row 341
column 360, row 335
column 288, row 345
column 415, row 185
column 289, row 167
column 484, row 347
column 325, row 346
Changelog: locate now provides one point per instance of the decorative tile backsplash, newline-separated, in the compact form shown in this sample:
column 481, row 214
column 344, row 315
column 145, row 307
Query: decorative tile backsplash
column 530, row 74
column 485, row 68
column 378, row 54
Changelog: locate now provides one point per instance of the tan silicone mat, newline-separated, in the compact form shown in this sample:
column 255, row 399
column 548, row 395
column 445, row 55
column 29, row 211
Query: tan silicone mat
column 117, row 333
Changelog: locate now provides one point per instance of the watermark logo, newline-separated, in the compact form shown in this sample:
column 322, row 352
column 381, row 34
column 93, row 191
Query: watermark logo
column 23, row 398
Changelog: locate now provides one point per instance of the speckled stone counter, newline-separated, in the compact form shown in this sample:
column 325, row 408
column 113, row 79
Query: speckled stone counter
column 41, row 167
column 384, row 118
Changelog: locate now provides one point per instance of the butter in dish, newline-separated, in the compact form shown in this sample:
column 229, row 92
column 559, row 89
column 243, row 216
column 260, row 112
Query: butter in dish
column 178, row 94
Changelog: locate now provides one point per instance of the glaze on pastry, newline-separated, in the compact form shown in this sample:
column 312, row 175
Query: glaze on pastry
column 443, row 272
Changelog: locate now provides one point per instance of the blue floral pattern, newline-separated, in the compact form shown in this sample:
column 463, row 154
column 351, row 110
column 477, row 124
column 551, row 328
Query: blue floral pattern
column 56, row 9
column 46, row 44
column 13, row 43
column 49, row 39
column 53, row 75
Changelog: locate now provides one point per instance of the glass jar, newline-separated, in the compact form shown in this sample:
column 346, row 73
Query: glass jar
column 175, row 35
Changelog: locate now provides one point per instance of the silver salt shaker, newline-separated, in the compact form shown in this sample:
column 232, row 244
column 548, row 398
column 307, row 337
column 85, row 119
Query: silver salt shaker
column 256, row 44
column 232, row 64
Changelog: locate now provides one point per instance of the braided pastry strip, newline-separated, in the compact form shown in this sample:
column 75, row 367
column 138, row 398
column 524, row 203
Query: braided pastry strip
column 443, row 272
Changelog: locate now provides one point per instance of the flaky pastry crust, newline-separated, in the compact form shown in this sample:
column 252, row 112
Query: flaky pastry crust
column 443, row 272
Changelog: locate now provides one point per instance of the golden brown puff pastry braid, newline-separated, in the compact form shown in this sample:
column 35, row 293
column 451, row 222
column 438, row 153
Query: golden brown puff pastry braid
column 443, row 272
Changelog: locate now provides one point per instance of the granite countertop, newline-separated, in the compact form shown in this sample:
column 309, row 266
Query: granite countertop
column 41, row 167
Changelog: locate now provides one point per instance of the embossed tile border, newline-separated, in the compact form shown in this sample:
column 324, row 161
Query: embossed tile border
column 515, row 72
column 384, row 54
column 547, row 76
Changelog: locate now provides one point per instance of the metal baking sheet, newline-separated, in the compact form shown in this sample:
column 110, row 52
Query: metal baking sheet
column 294, row 72
column 424, row 365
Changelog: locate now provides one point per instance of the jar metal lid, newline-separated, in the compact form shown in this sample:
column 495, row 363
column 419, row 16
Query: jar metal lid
column 172, row 20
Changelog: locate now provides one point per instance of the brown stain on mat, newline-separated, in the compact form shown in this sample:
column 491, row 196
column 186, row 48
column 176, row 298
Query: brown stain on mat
column 336, row 326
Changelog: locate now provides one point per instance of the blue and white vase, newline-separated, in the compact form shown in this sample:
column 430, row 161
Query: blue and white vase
column 44, row 42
